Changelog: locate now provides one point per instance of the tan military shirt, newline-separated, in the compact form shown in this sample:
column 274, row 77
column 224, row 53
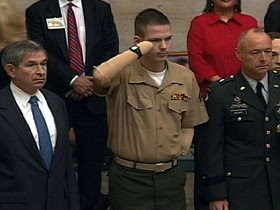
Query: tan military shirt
column 145, row 121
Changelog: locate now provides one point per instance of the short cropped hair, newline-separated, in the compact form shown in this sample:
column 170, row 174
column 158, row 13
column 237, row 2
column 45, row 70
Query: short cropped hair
column 274, row 35
column 244, row 34
column 15, row 52
column 147, row 17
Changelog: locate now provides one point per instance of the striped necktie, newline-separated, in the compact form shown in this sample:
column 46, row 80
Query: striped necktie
column 75, row 49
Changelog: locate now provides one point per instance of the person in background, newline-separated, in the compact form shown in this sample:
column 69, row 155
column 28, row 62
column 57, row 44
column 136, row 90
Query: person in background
column 157, row 105
column 211, row 42
column 275, row 36
column 212, row 39
column 12, row 28
column 239, row 145
column 36, row 170
column 78, row 34
column 272, row 18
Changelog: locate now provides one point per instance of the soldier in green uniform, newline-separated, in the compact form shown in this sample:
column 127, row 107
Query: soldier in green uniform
column 239, row 147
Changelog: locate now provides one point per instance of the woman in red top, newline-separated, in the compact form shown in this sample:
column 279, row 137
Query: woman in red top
column 212, row 40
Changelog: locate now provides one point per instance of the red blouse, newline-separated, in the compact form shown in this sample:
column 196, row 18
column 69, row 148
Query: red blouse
column 211, row 45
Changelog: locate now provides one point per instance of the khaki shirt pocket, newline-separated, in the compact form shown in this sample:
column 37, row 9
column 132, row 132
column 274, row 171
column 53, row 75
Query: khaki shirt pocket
column 178, row 106
column 140, row 112
column 176, row 113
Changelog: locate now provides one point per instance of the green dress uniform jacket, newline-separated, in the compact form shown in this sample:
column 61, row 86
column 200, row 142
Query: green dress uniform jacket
column 239, row 147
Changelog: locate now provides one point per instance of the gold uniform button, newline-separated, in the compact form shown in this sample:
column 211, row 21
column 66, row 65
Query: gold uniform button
column 228, row 173
column 266, row 119
column 267, row 159
column 268, row 133
column 239, row 118
column 268, row 146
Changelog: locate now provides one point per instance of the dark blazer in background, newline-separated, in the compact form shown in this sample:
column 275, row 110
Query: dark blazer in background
column 4, row 79
column 239, row 147
column 101, row 43
column 272, row 17
column 88, row 116
column 25, row 182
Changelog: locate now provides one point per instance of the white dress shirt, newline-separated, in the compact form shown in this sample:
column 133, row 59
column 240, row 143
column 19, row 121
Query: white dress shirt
column 22, row 99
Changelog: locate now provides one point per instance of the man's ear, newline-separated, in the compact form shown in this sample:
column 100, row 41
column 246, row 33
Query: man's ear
column 10, row 69
column 238, row 53
column 137, row 39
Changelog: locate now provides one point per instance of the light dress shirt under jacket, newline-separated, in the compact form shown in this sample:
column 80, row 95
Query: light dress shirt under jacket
column 22, row 99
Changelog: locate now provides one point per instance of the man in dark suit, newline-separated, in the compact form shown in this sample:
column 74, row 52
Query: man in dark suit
column 239, row 145
column 272, row 17
column 47, row 22
column 30, row 177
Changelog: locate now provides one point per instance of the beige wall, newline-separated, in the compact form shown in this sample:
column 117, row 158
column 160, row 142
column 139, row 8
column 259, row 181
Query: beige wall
column 180, row 13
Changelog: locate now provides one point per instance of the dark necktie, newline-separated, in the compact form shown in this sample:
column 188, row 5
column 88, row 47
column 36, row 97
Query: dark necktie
column 43, row 132
column 75, row 49
column 259, row 93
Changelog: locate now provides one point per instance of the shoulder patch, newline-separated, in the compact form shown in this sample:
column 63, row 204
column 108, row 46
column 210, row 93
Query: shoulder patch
column 222, row 82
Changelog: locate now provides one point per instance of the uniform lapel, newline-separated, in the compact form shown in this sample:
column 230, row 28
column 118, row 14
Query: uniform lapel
column 59, row 34
column 244, row 91
column 273, row 90
column 12, row 114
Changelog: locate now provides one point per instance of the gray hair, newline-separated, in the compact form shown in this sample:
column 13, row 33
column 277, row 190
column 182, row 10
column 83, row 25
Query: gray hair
column 15, row 52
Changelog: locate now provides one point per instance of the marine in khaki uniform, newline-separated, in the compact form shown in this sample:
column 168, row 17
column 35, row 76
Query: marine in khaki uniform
column 239, row 148
column 153, row 106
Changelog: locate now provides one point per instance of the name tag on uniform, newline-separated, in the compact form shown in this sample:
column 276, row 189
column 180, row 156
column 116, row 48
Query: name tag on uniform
column 238, row 112
column 55, row 23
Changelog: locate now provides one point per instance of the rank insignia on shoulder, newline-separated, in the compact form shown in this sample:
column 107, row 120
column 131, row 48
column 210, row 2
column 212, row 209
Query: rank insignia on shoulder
column 222, row 81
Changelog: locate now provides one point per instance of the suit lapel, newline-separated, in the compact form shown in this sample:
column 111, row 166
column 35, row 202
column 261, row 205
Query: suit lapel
column 12, row 114
column 244, row 91
column 59, row 34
